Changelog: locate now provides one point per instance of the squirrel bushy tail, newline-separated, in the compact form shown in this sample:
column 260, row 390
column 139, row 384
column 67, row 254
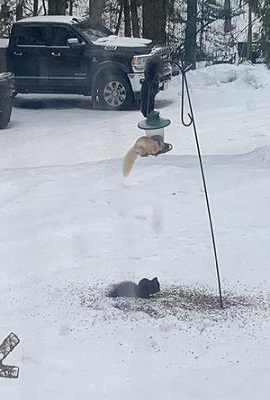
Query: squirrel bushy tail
column 128, row 161
column 144, row 146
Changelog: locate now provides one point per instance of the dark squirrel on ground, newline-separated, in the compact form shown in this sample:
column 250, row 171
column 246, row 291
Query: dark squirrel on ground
column 143, row 289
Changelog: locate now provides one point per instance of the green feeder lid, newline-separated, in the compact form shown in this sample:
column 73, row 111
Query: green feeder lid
column 153, row 121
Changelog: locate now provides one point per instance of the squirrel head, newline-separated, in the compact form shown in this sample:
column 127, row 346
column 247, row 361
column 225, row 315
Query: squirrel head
column 156, row 285
column 147, row 286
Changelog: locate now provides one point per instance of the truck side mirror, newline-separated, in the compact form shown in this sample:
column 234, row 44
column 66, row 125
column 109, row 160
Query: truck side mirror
column 75, row 43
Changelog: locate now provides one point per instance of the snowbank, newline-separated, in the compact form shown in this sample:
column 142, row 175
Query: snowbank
column 261, row 154
column 242, row 75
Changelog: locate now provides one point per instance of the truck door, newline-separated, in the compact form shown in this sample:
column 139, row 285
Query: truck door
column 68, row 67
column 28, row 57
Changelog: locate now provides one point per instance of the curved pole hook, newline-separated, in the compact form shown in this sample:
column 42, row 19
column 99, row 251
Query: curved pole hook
column 184, row 93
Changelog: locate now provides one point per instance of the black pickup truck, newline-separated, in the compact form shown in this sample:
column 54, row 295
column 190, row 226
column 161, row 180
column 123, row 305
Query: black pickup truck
column 65, row 54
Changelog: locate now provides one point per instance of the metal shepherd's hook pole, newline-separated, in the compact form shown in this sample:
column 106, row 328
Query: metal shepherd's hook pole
column 191, row 121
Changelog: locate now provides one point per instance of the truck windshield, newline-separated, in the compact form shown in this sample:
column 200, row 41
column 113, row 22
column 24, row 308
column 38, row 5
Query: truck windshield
column 93, row 31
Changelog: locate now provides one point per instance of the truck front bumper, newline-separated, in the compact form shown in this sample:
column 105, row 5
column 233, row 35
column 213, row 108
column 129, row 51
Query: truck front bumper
column 136, row 80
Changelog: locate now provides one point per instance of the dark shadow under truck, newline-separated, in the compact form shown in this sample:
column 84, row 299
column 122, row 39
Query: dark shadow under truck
column 65, row 54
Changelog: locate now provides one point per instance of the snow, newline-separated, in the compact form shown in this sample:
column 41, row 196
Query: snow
column 52, row 18
column 118, row 41
column 3, row 43
column 71, row 225
column 243, row 75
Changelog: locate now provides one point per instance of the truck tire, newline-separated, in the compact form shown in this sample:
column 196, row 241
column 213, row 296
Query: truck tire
column 5, row 111
column 114, row 92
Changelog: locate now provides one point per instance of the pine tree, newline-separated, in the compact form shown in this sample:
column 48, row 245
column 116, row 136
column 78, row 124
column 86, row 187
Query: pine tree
column 57, row 7
column 191, row 33
column 155, row 13
column 265, row 19
column 254, row 7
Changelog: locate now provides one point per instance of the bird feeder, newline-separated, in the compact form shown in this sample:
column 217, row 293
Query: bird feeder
column 154, row 125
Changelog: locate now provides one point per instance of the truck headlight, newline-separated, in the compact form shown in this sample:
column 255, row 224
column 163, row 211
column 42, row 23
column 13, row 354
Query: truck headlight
column 139, row 62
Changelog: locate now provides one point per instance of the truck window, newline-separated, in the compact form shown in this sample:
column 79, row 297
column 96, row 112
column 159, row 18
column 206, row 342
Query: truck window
column 93, row 31
column 93, row 34
column 32, row 36
column 60, row 35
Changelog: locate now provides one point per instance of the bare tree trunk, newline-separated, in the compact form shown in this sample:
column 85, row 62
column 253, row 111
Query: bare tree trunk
column 120, row 13
column 19, row 11
column 57, row 7
column 51, row 7
column 134, row 18
column 190, row 34
column 249, row 36
column 96, row 8
column 228, row 16
column 155, row 14
column 35, row 7
column 127, row 18
column 70, row 11
column 171, row 20
column 201, row 28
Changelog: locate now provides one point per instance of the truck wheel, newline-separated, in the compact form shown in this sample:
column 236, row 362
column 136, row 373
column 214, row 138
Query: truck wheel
column 5, row 111
column 114, row 92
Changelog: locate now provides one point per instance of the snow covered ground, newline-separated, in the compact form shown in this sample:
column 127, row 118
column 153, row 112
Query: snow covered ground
column 71, row 225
